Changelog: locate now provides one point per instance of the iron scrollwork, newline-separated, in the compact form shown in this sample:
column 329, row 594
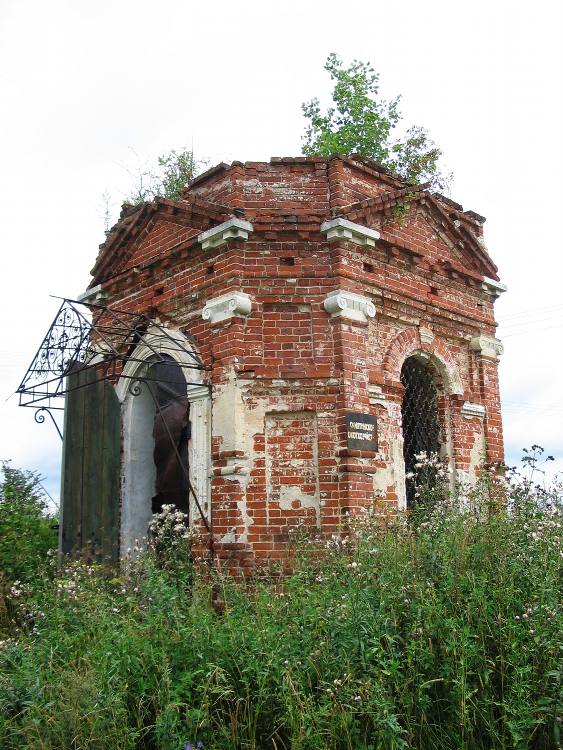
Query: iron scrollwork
column 135, row 387
column 98, row 339
column 66, row 342
column 39, row 417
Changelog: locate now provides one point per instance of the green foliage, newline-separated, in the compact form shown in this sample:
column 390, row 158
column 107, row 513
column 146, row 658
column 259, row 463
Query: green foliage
column 168, row 179
column 362, row 122
column 26, row 529
column 170, row 544
column 444, row 633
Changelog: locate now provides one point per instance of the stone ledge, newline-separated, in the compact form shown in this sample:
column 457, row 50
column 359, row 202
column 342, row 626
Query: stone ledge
column 342, row 229
column 233, row 229
column 227, row 306
column 348, row 305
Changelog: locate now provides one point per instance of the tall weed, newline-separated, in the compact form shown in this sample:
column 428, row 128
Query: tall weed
column 442, row 630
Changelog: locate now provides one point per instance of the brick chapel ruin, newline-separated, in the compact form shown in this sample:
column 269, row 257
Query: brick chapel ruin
column 301, row 329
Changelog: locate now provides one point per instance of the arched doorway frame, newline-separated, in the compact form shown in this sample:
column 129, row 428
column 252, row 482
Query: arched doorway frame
column 138, row 410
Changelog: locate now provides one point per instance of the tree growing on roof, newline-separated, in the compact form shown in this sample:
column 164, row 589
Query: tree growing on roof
column 167, row 179
column 360, row 121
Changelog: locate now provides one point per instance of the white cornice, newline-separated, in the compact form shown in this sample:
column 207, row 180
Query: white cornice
column 342, row 229
column 227, row 306
column 233, row 229
column 342, row 304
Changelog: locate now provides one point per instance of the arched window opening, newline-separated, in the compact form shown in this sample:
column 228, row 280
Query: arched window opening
column 421, row 426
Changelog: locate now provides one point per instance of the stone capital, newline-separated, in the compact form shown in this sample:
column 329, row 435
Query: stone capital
column 227, row 306
column 92, row 296
column 198, row 393
column 233, row 229
column 492, row 287
column 469, row 409
column 342, row 229
column 426, row 336
column 487, row 346
column 348, row 305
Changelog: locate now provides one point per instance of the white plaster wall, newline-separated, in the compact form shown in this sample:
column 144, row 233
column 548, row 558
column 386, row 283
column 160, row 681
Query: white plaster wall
column 235, row 426
column 139, row 470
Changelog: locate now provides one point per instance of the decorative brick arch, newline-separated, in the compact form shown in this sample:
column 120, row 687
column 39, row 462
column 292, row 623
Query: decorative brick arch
column 410, row 342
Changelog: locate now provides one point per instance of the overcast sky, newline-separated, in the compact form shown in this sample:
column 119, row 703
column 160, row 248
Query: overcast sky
column 88, row 91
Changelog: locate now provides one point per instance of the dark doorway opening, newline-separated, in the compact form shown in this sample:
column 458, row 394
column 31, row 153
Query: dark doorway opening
column 171, row 433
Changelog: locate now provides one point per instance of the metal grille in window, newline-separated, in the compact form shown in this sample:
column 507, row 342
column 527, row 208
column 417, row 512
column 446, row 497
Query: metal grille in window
column 421, row 431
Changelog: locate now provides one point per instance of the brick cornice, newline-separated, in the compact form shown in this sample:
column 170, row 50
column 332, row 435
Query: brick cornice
column 459, row 234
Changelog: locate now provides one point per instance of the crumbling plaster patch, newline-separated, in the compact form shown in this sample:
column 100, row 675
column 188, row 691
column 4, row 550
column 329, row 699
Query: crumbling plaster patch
column 478, row 453
column 238, row 417
column 290, row 494
column 391, row 477
column 229, row 427
column 397, row 470
column 228, row 414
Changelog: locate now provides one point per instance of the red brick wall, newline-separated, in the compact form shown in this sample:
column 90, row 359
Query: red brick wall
column 296, row 370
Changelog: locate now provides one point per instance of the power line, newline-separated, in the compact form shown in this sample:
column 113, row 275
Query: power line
column 531, row 330
column 528, row 321
column 532, row 311
column 51, row 498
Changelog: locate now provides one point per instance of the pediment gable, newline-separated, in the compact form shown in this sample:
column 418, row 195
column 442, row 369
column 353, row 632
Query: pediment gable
column 154, row 229
column 427, row 226
column 157, row 238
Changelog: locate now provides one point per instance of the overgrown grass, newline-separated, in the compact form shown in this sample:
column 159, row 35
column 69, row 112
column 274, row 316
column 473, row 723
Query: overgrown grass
column 439, row 632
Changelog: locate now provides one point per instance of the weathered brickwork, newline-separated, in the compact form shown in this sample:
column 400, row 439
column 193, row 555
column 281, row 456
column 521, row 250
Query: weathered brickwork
column 299, row 322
